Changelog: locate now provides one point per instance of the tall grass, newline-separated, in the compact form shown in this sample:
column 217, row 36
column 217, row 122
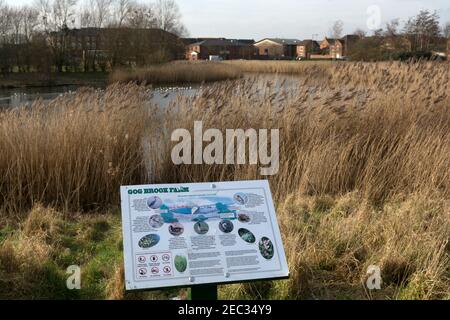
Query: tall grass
column 364, row 171
column 331, row 242
column 178, row 73
column 382, row 139
column 315, row 68
column 356, row 130
column 75, row 151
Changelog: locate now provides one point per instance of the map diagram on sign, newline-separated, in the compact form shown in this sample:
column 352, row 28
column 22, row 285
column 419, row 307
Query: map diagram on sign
column 198, row 209
column 194, row 233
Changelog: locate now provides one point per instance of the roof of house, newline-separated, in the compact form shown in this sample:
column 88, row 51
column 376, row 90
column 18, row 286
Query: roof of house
column 351, row 36
column 220, row 42
column 94, row 32
column 330, row 40
column 308, row 42
column 189, row 41
column 348, row 37
column 248, row 41
column 78, row 32
column 281, row 41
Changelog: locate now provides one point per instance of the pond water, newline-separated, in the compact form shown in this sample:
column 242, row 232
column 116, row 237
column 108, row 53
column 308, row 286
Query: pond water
column 11, row 98
column 19, row 96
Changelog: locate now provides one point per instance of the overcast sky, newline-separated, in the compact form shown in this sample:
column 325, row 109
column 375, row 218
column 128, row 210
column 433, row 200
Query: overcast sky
column 301, row 19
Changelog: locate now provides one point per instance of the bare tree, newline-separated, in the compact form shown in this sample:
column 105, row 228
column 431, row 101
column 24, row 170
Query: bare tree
column 392, row 28
column 360, row 33
column 141, row 17
column 5, row 21
column 56, row 14
column 40, row 37
column 121, row 11
column 423, row 30
column 168, row 17
column 378, row 32
column 30, row 21
column 394, row 41
column 446, row 30
column 86, row 18
column 64, row 12
column 337, row 29
column 101, row 12
column 5, row 30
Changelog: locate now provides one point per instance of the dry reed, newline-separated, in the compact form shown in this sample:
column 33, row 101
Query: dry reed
column 318, row 68
column 364, row 171
column 355, row 131
column 75, row 151
column 178, row 73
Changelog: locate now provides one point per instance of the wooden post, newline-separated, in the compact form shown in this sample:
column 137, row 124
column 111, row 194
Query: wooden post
column 203, row 292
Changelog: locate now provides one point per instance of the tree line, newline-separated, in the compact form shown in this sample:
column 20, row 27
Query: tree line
column 420, row 36
column 41, row 37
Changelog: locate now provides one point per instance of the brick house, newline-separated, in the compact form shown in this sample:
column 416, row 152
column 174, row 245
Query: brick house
column 227, row 49
column 339, row 48
column 275, row 48
column 92, row 48
column 332, row 48
column 307, row 47
column 326, row 43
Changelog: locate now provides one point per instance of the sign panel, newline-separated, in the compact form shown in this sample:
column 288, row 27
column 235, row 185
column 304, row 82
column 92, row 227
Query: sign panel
column 200, row 233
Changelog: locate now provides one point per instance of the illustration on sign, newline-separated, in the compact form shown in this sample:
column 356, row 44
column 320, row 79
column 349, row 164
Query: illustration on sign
column 179, row 235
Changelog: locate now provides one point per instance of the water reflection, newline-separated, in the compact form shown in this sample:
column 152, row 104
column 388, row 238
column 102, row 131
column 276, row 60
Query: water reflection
column 162, row 96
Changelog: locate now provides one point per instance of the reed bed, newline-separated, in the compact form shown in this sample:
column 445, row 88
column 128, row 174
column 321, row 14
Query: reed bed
column 73, row 152
column 178, row 73
column 316, row 68
column 364, row 134
column 364, row 172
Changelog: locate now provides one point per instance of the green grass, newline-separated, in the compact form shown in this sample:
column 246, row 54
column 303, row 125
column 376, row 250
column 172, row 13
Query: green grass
column 93, row 242
column 329, row 244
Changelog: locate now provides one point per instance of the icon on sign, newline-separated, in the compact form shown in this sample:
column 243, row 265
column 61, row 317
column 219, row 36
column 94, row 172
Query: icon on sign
column 154, row 258
column 141, row 259
column 155, row 270
column 142, row 271
column 167, row 269
column 166, row 257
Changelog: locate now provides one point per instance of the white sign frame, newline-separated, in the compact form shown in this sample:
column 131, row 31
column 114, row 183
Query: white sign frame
column 137, row 254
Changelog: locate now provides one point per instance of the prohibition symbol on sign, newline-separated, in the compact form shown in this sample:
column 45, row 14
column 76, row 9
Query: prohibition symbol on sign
column 166, row 257
column 155, row 270
column 142, row 271
column 167, row 269
column 154, row 258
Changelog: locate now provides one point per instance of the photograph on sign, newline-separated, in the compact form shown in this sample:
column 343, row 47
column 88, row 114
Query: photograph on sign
column 200, row 233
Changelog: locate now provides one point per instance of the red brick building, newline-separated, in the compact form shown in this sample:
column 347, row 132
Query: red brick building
column 274, row 48
column 226, row 49
column 339, row 48
column 307, row 47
